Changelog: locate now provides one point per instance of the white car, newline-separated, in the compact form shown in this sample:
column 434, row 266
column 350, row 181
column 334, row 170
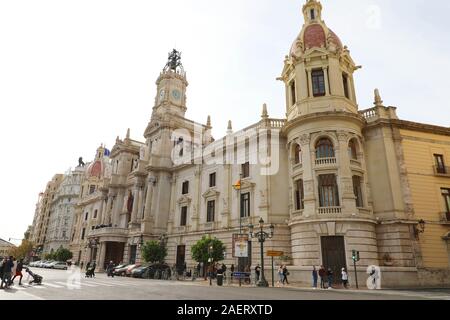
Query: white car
column 59, row 265
column 47, row 264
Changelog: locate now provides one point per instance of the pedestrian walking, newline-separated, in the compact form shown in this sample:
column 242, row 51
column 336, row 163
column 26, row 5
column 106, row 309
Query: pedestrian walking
column 94, row 265
column 280, row 274
column 344, row 278
column 18, row 272
column 110, row 269
column 13, row 271
column 257, row 272
column 2, row 267
column 232, row 271
column 322, row 275
column 7, row 268
column 315, row 277
column 285, row 274
column 330, row 278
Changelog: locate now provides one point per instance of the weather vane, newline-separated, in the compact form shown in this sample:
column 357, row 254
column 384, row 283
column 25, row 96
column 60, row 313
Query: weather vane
column 174, row 61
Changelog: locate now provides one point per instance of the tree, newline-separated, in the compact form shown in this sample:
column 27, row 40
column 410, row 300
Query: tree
column 23, row 251
column 49, row 256
column 63, row 254
column 201, row 250
column 152, row 252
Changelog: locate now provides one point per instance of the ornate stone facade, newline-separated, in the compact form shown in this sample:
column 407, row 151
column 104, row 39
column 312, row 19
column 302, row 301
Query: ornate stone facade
column 330, row 177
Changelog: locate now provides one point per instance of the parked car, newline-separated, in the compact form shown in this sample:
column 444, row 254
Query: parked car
column 58, row 265
column 120, row 270
column 139, row 272
column 130, row 268
column 42, row 263
column 34, row 263
column 47, row 264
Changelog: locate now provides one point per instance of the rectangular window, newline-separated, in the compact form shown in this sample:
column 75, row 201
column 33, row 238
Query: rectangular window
column 246, row 170
column 345, row 82
column 95, row 214
column 313, row 15
column 440, row 165
column 293, row 95
column 358, row 191
column 318, row 83
column 86, row 216
column 299, row 195
column 210, row 211
column 83, row 232
column 446, row 195
column 91, row 189
column 245, row 205
column 185, row 187
column 183, row 219
column 212, row 180
column 328, row 191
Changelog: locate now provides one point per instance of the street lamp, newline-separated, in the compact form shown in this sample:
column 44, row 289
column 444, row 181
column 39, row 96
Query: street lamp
column 238, row 187
column 210, row 251
column 261, row 236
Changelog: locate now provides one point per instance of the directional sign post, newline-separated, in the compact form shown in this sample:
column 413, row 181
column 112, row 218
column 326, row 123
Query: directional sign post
column 274, row 254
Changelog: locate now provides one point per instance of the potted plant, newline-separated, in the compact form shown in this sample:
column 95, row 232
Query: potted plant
column 387, row 260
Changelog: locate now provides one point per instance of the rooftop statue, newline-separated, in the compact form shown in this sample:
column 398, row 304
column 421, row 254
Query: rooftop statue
column 174, row 61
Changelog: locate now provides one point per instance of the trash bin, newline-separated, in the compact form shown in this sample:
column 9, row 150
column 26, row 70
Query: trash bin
column 220, row 279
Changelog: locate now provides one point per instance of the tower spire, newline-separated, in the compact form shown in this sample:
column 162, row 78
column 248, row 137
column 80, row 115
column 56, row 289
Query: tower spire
column 230, row 127
column 265, row 114
column 378, row 102
column 208, row 122
column 312, row 11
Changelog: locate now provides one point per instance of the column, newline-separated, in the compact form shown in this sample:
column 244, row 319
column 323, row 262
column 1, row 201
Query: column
column 308, row 175
column 327, row 83
column 140, row 203
column 345, row 175
column 310, row 88
column 173, row 204
column 107, row 214
column 101, row 256
column 100, row 211
column 135, row 205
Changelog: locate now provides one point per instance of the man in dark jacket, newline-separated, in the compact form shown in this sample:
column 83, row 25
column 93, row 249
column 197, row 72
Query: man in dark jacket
column 7, row 268
column 322, row 275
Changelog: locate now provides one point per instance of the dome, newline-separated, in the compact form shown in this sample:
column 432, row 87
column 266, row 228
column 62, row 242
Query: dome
column 315, row 36
column 95, row 169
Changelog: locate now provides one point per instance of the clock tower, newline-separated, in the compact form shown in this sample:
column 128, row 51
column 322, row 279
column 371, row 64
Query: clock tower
column 171, row 88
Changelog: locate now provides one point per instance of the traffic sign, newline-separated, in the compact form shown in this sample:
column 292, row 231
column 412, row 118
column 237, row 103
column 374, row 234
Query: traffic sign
column 275, row 253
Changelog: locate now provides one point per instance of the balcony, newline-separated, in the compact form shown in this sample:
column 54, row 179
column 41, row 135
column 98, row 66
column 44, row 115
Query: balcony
column 109, row 232
column 441, row 171
column 355, row 163
column 329, row 210
column 326, row 161
column 445, row 217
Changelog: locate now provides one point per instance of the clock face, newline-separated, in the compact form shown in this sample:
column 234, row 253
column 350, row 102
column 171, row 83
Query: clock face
column 176, row 94
column 161, row 95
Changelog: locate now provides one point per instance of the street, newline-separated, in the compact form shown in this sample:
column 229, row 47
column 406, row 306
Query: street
column 72, row 285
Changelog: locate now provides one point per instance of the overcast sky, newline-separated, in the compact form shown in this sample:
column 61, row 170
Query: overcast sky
column 75, row 74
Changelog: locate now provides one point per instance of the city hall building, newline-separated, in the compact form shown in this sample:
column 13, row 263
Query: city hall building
column 331, row 178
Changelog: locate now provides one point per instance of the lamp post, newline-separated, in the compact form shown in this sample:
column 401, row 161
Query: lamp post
column 237, row 187
column 261, row 236
column 210, row 251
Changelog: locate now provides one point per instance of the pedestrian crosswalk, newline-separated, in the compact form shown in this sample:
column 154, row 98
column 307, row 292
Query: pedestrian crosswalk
column 91, row 283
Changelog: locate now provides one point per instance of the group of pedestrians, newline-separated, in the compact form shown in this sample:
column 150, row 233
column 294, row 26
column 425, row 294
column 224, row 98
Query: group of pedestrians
column 282, row 274
column 327, row 277
column 10, row 268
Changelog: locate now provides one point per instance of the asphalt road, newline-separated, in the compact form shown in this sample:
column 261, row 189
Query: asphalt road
column 71, row 285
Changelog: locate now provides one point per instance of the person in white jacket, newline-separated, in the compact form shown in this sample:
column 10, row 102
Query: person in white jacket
column 344, row 278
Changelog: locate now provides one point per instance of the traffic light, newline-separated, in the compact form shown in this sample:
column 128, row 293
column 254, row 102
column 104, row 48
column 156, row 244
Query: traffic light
column 355, row 255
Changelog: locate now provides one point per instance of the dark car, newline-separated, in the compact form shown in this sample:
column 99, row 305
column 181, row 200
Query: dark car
column 139, row 272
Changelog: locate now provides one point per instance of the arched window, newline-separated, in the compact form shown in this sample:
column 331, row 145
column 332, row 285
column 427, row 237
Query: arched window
column 352, row 151
column 324, row 149
column 297, row 154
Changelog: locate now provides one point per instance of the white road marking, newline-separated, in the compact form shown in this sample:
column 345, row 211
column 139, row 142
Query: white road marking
column 52, row 285
column 99, row 283
column 88, row 285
